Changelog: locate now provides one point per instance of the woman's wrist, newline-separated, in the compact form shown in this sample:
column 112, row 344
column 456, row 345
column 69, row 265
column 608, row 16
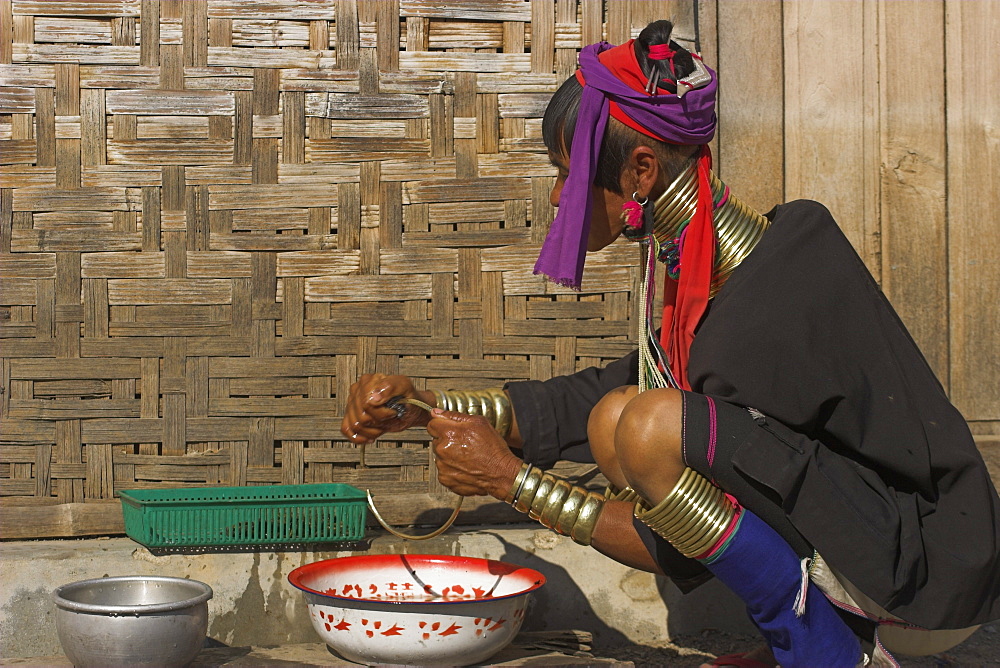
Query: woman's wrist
column 505, row 473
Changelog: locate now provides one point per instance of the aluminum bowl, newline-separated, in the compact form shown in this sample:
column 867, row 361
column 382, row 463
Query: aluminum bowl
column 137, row 620
column 413, row 609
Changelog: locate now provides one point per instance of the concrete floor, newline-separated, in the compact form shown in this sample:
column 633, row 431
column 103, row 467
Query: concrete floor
column 527, row 650
column 254, row 606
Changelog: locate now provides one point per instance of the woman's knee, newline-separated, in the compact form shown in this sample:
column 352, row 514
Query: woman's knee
column 648, row 445
column 601, row 426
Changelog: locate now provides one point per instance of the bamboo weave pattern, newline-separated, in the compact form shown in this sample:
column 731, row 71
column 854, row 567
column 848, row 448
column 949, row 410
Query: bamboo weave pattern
column 215, row 215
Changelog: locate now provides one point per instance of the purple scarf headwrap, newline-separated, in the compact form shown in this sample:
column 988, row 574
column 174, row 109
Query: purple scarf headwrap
column 678, row 120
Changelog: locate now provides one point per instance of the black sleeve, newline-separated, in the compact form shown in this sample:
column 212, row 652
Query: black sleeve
column 552, row 415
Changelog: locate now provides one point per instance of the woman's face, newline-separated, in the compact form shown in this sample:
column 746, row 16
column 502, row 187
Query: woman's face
column 605, row 218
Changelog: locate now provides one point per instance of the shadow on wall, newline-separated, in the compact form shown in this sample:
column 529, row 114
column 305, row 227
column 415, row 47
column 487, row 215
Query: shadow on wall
column 561, row 604
column 712, row 606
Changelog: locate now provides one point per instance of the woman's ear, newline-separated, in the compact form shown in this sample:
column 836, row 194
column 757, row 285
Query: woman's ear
column 645, row 168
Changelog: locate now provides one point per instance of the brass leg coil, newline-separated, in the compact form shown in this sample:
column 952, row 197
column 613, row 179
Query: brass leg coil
column 693, row 517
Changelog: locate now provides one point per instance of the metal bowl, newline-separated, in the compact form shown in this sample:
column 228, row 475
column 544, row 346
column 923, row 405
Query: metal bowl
column 136, row 620
column 412, row 609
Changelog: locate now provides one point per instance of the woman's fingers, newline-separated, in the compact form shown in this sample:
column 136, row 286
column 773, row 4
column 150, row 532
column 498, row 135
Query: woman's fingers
column 366, row 417
column 357, row 423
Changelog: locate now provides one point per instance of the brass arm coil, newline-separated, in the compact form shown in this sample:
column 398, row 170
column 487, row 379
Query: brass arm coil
column 567, row 509
column 493, row 404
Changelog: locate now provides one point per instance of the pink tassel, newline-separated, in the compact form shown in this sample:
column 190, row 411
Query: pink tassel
column 800, row 598
column 632, row 214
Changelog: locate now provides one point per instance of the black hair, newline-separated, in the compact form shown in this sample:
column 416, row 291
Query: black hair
column 559, row 121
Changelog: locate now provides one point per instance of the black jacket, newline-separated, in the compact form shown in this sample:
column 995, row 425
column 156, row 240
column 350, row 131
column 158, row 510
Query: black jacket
column 895, row 495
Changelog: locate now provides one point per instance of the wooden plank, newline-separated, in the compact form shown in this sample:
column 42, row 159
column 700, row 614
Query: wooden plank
column 913, row 214
column 270, row 406
column 73, row 388
column 26, row 176
column 77, row 8
column 437, row 61
column 126, row 176
column 73, row 409
column 65, row 369
column 465, row 35
column 6, row 32
column 67, row 29
column 272, row 9
column 169, row 291
column 29, row 76
column 93, row 128
column 224, row 56
column 171, row 103
column 72, row 240
column 318, row 263
column 88, row 199
column 974, row 277
column 484, row 238
column 18, row 151
column 317, row 174
column 15, row 100
column 67, row 519
column 269, row 196
column 830, row 151
column 123, row 265
column 750, row 133
column 462, row 368
column 348, row 106
column 149, row 33
column 293, row 144
column 365, row 288
column 172, row 152
column 195, row 18
column 542, row 35
column 28, row 265
column 388, row 37
column 480, row 10
column 418, row 261
column 83, row 54
column 269, row 32
column 456, row 190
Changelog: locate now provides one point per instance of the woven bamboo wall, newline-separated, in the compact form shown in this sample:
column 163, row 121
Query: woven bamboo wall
column 216, row 215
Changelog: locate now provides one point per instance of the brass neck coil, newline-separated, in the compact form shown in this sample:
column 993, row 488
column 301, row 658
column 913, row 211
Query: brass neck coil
column 738, row 228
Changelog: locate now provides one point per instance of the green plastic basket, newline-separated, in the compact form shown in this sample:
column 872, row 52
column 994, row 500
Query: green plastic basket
column 242, row 516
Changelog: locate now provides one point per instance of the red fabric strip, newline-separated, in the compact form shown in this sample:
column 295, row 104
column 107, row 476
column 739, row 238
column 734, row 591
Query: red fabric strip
column 686, row 299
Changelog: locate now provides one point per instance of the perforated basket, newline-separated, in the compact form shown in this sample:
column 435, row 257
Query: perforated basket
column 241, row 516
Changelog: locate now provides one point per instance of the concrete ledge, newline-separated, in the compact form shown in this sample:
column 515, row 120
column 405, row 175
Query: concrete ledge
column 255, row 605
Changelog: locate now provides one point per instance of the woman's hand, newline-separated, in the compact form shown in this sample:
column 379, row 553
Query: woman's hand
column 472, row 458
column 367, row 417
